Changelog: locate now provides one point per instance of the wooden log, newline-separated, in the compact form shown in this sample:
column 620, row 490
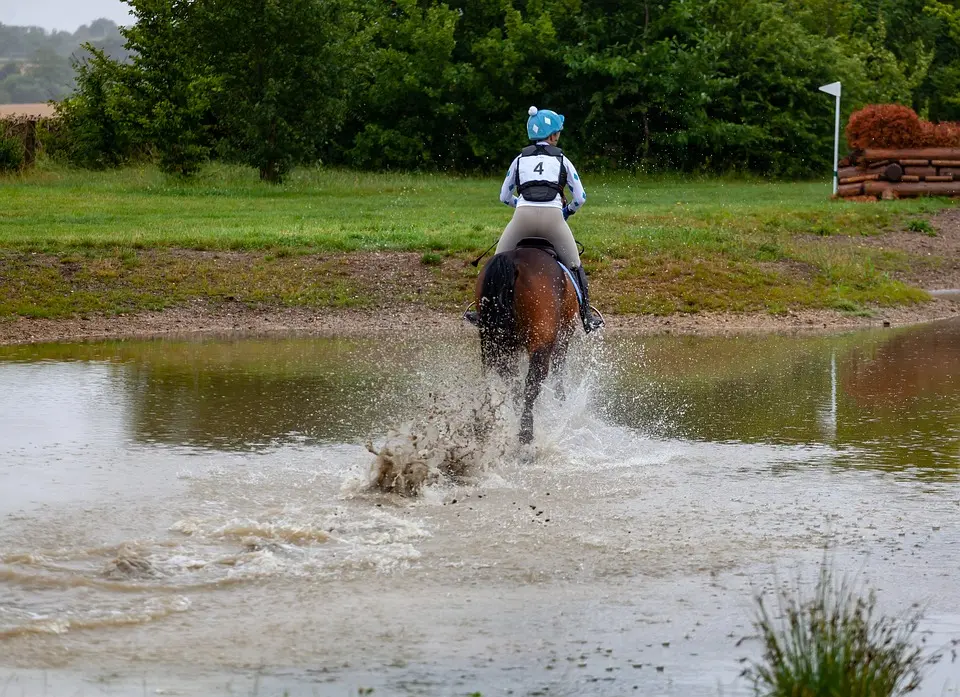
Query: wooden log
column 918, row 189
column 878, row 166
column 909, row 178
column 845, row 172
column 850, row 190
column 939, row 178
column 912, row 154
column 893, row 172
column 955, row 171
column 908, row 162
column 921, row 171
column 860, row 178
column 945, row 163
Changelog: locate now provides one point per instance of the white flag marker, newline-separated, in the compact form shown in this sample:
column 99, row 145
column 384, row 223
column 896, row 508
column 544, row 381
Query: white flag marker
column 834, row 89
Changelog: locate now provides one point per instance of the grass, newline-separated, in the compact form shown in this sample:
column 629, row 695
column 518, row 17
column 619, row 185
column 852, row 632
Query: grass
column 835, row 643
column 117, row 241
column 920, row 225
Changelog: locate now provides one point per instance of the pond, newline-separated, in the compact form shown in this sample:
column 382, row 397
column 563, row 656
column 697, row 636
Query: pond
column 191, row 516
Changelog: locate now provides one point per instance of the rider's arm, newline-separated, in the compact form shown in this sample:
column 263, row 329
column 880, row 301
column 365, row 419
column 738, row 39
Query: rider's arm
column 579, row 196
column 506, row 191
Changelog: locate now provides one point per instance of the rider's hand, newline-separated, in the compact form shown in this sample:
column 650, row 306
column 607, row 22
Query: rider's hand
column 567, row 212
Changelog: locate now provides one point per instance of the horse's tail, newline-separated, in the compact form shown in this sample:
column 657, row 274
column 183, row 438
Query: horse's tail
column 497, row 314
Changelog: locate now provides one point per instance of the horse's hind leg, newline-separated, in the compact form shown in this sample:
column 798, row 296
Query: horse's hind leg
column 558, row 363
column 539, row 367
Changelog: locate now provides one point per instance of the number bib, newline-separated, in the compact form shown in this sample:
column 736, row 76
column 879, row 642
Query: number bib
column 539, row 168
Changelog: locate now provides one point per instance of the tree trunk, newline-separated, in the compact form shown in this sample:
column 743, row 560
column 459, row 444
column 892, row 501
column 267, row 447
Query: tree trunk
column 269, row 172
column 646, row 135
column 850, row 189
column 859, row 178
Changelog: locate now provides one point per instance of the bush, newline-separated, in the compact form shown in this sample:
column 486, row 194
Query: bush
column 940, row 135
column 52, row 139
column 92, row 131
column 12, row 156
column 896, row 126
column 884, row 126
column 836, row 643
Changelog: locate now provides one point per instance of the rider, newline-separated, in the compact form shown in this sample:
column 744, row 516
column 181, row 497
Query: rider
column 539, row 174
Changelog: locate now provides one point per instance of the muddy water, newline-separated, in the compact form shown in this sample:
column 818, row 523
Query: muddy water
column 191, row 517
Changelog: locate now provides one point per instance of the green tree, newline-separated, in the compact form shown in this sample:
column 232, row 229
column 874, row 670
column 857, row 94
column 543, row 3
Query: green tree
column 282, row 75
column 940, row 95
column 509, row 63
column 403, row 116
column 166, row 89
column 92, row 132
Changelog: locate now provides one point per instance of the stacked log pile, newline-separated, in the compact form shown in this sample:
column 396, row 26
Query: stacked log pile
column 900, row 173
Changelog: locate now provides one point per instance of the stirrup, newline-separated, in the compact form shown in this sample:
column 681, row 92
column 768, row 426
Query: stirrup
column 595, row 322
column 471, row 315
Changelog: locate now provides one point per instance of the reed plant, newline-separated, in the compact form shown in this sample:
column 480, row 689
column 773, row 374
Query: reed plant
column 835, row 644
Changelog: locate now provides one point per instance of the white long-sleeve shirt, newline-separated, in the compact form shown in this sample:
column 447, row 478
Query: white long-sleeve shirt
column 573, row 181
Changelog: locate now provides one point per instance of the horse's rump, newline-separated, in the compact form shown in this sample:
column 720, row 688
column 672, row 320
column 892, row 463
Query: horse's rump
column 525, row 302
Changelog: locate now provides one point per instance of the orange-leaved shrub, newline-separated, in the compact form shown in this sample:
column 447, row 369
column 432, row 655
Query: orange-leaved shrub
column 945, row 134
column 897, row 126
column 884, row 126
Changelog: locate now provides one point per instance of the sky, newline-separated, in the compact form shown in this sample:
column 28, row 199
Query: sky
column 66, row 15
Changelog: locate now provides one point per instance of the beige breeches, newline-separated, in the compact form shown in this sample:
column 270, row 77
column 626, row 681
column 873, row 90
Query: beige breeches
column 541, row 221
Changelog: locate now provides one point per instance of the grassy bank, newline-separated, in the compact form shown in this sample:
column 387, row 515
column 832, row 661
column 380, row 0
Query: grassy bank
column 74, row 242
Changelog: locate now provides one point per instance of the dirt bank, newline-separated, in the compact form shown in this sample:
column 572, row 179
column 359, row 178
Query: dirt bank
column 201, row 318
column 403, row 289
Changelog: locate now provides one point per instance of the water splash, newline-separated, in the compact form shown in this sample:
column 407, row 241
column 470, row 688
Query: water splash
column 130, row 564
column 456, row 437
column 468, row 424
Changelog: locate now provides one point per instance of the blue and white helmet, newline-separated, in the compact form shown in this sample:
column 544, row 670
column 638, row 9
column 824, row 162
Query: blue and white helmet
column 543, row 123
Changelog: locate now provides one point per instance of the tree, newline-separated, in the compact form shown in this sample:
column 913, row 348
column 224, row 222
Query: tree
column 167, row 87
column 92, row 131
column 282, row 75
column 403, row 116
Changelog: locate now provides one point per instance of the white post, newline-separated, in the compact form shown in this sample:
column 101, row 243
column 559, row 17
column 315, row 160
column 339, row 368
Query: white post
column 834, row 89
column 836, row 149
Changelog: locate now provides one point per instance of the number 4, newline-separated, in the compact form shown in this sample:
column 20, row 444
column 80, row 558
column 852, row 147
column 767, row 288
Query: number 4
column 539, row 168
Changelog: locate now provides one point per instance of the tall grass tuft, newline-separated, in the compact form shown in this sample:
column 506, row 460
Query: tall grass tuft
column 835, row 644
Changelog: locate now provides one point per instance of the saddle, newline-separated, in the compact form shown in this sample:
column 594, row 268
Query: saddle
column 544, row 245
column 541, row 243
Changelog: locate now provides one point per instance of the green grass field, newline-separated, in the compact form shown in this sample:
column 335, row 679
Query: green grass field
column 76, row 241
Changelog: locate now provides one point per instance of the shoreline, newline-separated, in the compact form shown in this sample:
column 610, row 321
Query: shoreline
column 202, row 319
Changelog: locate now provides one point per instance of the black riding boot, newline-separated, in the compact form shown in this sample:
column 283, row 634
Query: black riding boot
column 586, row 315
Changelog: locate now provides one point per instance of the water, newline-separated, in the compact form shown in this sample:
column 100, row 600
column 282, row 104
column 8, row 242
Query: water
column 191, row 517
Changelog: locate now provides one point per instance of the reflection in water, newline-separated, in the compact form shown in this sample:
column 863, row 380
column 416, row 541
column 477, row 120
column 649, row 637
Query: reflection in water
column 887, row 398
column 243, row 394
column 912, row 364
column 904, row 396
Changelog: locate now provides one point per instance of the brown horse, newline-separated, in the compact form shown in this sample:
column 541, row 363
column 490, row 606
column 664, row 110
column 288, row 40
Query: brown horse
column 526, row 303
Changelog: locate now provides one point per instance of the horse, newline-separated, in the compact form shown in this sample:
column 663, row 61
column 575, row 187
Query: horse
column 526, row 303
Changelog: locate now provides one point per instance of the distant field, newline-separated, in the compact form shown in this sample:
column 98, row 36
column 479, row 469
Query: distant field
column 40, row 110
column 74, row 241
